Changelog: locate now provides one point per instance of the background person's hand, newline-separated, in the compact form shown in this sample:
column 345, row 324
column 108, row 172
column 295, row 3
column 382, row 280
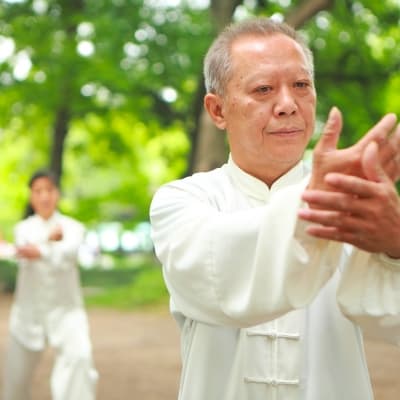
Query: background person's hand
column 56, row 234
column 28, row 251
column 362, row 212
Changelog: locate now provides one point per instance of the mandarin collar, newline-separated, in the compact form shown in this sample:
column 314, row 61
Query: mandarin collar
column 48, row 221
column 256, row 188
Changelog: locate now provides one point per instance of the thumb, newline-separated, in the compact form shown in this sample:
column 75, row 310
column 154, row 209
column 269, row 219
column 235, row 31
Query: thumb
column 371, row 165
column 331, row 132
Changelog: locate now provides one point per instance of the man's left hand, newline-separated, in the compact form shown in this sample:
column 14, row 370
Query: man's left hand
column 362, row 212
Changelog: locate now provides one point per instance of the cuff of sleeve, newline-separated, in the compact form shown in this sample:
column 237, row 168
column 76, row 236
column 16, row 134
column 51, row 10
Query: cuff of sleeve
column 44, row 250
column 389, row 261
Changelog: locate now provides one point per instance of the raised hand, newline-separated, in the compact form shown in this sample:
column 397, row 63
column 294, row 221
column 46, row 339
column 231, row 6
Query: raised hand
column 327, row 158
column 364, row 212
column 56, row 234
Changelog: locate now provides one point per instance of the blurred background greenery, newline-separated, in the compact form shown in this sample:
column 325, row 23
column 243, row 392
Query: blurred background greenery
column 108, row 94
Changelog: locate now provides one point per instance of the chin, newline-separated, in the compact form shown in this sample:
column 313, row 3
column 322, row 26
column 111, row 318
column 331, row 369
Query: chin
column 289, row 159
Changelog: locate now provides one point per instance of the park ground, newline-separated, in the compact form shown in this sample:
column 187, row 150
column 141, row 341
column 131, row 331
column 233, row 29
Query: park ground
column 137, row 356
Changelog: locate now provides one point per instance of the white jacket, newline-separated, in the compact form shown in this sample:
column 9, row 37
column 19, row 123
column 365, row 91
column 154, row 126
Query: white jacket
column 266, row 311
column 48, row 289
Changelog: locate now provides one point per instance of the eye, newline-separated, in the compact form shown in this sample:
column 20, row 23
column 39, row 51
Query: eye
column 302, row 84
column 264, row 89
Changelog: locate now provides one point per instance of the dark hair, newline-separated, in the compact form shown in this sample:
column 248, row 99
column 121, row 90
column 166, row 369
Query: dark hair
column 40, row 173
column 43, row 173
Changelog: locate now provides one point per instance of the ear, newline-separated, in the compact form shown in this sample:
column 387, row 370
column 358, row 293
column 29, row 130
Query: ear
column 213, row 104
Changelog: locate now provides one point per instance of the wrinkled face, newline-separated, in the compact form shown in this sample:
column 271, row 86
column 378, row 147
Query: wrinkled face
column 268, row 108
column 44, row 197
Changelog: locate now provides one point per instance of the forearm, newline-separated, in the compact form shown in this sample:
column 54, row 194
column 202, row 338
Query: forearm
column 58, row 253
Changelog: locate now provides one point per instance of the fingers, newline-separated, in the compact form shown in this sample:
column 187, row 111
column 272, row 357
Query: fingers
column 359, row 231
column 329, row 220
column 396, row 159
column 324, row 155
column 380, row 131
column 28, row 251
column 395, row 142
column 371, row 164
column 330, row 200
column 344, row 186
column 331, row 133
column 337, row 235
column 336, row 226
column 373, row 233
column 389, row 155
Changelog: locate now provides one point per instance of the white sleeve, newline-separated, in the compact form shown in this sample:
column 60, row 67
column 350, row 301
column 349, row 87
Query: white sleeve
column 63, row 253
column 21, row 234
column 369, row 294
column 238, row 268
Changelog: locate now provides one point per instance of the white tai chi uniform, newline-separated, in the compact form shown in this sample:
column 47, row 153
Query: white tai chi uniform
column 266, row 311
column 48, row 309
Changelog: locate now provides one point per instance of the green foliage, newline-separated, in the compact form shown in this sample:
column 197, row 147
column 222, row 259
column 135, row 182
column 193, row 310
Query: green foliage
column 144, row 287
column 357, row 61
column 124, row 137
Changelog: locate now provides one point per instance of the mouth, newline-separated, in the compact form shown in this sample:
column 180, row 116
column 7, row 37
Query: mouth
column 286, row 131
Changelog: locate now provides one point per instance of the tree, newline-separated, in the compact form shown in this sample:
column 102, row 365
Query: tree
column 81, row 70
column 110, row 94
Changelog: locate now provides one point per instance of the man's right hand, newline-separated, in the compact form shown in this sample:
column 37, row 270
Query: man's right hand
column 28, row 251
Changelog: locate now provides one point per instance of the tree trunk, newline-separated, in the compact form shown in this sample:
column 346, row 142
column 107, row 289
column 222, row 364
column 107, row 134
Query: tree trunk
column 306, row 10
column 209, row 145
column 60, row 131
column 69, row 9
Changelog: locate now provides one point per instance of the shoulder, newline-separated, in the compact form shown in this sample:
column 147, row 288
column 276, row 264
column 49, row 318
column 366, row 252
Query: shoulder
column 200, row 188
column 200, row 181
column 25, row 223
column 66, row 220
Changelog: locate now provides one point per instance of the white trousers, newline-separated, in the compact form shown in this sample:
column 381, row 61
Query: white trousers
column 73, row 376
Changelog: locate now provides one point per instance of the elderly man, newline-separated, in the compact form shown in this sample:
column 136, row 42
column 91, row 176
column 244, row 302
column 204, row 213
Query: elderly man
column 275, row 272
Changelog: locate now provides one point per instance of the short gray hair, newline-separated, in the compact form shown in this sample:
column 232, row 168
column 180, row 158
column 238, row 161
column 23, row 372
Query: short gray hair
column 218, row 64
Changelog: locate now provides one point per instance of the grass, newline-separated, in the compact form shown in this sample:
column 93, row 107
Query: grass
column 8, row 272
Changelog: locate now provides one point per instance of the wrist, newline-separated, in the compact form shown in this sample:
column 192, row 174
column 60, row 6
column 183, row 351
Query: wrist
column 393, row 262
column 393, row 256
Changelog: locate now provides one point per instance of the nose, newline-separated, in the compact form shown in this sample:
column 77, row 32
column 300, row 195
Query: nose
column 285, row 103
column 44, row 195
